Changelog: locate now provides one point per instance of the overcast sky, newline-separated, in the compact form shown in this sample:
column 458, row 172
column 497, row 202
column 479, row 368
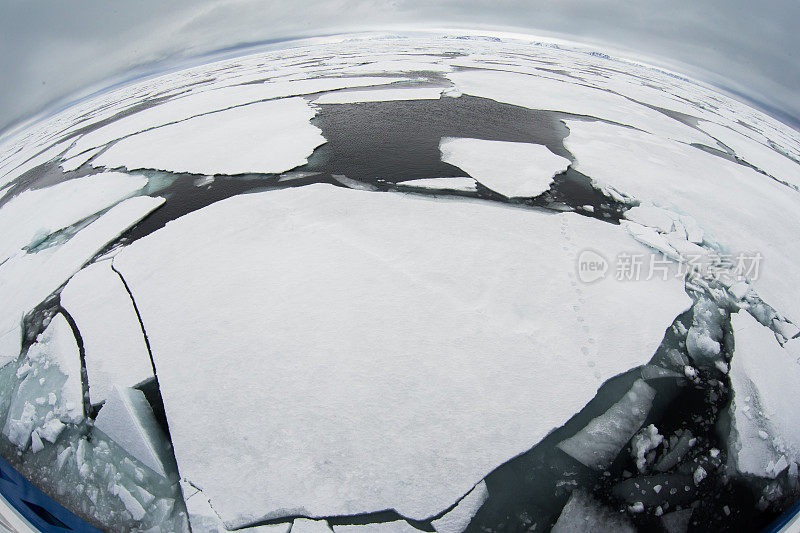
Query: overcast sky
column 52, row 50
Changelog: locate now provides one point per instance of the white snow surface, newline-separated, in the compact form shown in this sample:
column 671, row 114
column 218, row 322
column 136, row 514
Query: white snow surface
column 127, row 418
column 508, row 168
column 26, row 280
column 458, row 518
column 453, row 184
column 269, row 137
column 762, row 375
column 388, row 350
column 36, row 213
column 113, row 342
column 735, row 206
column 306, row 525
column 380, row 95
column 397, row 526
column 757, row 154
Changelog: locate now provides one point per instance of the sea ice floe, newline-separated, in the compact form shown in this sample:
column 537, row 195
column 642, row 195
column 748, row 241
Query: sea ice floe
column 33, row 215
column 755, row 153
column 584, row 514
column 761, row 374
column 380, row 95
column 205, row 102
column 457, row 519
column 387, row 351
column 508, row 168
column 745, row 212
column 447, row 184
column 538, row 92
column 266, row 137
column 113, row 342
column 52, row 363
column 27, row 279
column 46, row 155
column 127, row 419
column 601, row 441
column 396, row 526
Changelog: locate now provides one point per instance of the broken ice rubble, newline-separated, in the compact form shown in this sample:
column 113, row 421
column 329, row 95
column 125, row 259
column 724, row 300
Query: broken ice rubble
column 113, row 341
column 52, row 364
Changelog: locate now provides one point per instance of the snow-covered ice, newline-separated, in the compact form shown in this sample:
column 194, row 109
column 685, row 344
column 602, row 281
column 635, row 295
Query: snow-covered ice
column 127, row 419
column 762, row 374
column 306, row 525
column 205, row 102
column 452, row 184
column 30, row 217
column 27, row 279
column 380, row 95
column 740, row 209
column 457, row 519
column 508, row 168
column 388, row 350
column 397, row 526
column 113, row 341
column 539, row 92
column 266, row 137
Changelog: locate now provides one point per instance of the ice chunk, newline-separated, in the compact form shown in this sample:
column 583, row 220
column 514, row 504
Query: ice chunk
column 761, row 373
column 127, row 419
column 396, row 526
column 454, row 184
column 27, row 279
column 643, row 442
column 458, row 518
column 113, row 342
column 266, row 137
column 649, row 215
column 305, row 525
column 583, row 514
column 599, row 443
column 372, row 313
column 508, row 168
column 131, row 504
column 380, row 95
column 36, row 213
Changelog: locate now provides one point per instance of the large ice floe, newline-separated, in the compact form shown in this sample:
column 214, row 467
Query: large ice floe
column 364, row 302
column 404, row 283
